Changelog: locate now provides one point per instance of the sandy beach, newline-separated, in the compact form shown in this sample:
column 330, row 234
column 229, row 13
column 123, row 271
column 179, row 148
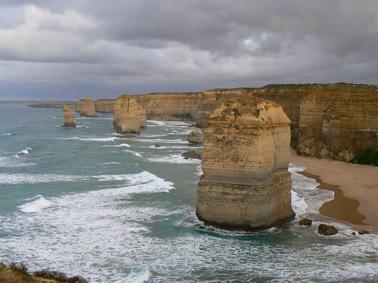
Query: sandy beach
column 355, row 187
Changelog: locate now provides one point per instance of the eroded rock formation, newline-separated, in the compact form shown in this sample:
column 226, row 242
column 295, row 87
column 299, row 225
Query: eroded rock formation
column 245, row 182
column 86, row 107
column 195, row 137
column 104, row 105
column 128, row 116
column 69, row 117
column 336, row 121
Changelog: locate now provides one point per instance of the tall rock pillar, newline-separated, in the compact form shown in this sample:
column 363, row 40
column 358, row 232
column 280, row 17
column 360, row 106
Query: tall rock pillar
column 245, row 182
column 128, row 115
column 69, row 117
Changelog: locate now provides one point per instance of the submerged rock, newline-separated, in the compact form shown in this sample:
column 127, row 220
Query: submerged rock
column 86, row 107
column 128, row 116
column 305, row 222
column 195, row 137
column 59, row 276
column 192, row 154
column 363, row 232
column 245, row 182
column 327, row 230
column 69, row 117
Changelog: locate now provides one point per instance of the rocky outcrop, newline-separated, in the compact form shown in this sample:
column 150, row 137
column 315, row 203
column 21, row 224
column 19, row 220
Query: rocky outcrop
column 192, row 154
column 69, row 117
column 104, row 105
column 245, row 182
column 128, row 116
column 18, row 273
column 327, row 230
column 195, row 137
column 170, row 106
column 305, row 222
column 86, row 107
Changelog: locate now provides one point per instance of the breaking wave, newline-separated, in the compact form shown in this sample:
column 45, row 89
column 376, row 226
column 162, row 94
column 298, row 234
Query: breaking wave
column 36, row 204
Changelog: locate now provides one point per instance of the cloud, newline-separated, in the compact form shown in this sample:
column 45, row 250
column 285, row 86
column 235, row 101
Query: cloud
column 188, row 45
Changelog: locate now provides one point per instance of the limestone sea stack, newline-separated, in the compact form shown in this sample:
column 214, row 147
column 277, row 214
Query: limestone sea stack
column 86, row 107
column 69, row 117
column 128, row 116
column 245, row 183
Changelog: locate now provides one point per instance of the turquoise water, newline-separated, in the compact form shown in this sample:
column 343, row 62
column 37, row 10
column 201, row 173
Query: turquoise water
column 117, row 209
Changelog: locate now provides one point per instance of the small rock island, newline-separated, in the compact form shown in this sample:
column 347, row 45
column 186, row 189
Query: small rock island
column 245, row 183
column 69, row 117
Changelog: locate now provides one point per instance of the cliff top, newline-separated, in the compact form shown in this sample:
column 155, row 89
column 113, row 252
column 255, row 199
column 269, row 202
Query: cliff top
column 247, row 109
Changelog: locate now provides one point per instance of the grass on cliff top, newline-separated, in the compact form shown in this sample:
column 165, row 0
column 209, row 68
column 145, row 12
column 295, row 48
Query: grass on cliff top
column 317, row 84
column 367, row 156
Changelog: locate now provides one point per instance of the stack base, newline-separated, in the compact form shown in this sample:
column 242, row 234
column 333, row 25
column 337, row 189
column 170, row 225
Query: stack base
column 249, row 207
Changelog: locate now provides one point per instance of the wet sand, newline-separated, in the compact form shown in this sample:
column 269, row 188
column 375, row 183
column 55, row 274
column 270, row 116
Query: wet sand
column 355, row 187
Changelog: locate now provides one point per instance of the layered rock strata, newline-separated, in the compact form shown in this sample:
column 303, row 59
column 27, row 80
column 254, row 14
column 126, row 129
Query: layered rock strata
column 336, row 121
column 69, row 117
column 245, row 182
column 86, row 107
column 104, row 105
column 128, row 116
column 170, row 106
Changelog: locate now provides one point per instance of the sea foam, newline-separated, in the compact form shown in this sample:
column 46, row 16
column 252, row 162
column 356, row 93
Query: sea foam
column 173, row 158
column 35, row 204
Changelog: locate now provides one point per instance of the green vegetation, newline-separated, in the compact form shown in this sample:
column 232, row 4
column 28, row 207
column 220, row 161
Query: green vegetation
column 367, row 156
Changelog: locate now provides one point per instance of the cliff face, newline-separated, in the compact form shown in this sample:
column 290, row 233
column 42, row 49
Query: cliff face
column 169, row 106
column 338, row 122
column 245, row 182
column 104, row 105
column 69, row 117
column 128, row 116
column 334, row 121
column 86, row 107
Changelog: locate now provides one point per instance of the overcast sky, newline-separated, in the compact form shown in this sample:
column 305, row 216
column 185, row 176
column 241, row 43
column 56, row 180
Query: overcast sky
column 68, row 49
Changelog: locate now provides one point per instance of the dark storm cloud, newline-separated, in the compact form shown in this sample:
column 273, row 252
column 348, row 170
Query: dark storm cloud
column 187, row 45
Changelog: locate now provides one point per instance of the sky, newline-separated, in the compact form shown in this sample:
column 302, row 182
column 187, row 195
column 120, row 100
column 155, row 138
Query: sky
column 54, row 49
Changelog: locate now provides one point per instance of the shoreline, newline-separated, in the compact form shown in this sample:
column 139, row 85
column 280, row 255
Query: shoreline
column 355, row 187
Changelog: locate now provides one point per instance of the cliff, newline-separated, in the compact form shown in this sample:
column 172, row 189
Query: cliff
column 86, row 107
column 128, row 116
column 245, row 182
column 335, row 121
column 69, row 117
column 51, row 104
column 170, row 106
column 104, row 105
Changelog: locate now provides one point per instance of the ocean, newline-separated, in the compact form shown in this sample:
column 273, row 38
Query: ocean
column 114, row 208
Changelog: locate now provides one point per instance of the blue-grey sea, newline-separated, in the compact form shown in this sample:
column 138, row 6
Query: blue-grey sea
column 115, row 208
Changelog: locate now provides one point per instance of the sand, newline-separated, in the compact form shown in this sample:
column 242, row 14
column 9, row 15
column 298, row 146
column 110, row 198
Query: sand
column 355, row 187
